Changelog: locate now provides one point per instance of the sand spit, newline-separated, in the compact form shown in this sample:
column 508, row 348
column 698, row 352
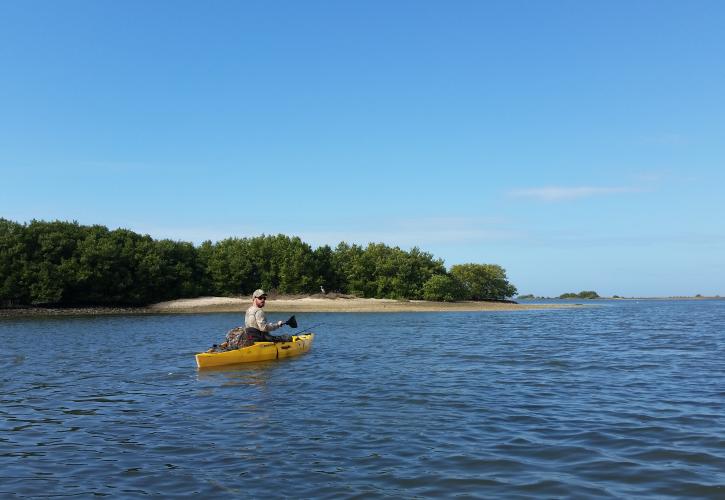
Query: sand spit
column 319, row 304
column 291, row 304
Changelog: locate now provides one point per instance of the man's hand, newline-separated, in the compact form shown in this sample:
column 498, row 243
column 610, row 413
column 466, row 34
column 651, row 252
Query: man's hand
column 280, row 323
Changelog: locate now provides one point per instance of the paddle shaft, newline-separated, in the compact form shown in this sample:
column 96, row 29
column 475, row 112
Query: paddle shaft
column 303, row 330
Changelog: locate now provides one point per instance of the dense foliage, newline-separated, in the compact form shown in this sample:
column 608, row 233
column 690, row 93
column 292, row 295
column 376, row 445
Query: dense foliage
column 484, row 281
column 64, row 263
column 444, row 287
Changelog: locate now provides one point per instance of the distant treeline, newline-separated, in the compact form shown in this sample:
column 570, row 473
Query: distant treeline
column 64, row 263
column 586, row 294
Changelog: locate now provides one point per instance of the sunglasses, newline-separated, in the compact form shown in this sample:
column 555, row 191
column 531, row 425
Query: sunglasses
column 261, row 298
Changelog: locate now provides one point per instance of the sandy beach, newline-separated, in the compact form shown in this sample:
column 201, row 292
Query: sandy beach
column 338, row 304
column 292, row 304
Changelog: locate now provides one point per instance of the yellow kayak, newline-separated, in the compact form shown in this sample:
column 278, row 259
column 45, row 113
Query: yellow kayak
column 260, row 351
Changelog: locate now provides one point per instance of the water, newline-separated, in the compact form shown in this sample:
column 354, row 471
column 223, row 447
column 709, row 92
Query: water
column 626, row 399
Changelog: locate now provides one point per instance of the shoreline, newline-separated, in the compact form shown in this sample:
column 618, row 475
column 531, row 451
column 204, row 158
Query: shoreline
column 202, row 305
column 333, row 303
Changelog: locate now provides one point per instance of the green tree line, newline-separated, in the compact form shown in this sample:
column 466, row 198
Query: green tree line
column 65, row 263
column 585, row 294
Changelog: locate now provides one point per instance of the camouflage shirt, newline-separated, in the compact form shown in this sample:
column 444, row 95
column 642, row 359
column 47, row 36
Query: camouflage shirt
column 255, row 318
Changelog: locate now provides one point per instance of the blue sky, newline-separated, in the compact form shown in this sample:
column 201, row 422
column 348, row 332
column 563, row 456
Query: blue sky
column 580, row 145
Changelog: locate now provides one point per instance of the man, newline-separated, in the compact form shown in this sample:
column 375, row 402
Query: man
column 255, row 321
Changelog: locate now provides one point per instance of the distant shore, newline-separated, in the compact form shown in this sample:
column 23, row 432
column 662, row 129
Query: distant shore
column 294, row 304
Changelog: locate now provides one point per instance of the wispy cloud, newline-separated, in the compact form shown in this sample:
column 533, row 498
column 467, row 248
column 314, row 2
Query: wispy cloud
column 667, row 139
column 676, row 238
column 422, row 232
column 562, row 193
column 114, row 167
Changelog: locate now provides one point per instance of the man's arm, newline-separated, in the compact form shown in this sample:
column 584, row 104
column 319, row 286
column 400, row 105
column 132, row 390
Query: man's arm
column 262, row 322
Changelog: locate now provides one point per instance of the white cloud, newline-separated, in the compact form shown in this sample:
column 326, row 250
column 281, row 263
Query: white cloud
column 560, row 193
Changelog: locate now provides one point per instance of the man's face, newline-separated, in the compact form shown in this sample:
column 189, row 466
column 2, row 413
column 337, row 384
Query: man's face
column 260, row 301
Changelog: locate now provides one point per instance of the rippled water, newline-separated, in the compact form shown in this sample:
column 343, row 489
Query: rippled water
column 620, row 400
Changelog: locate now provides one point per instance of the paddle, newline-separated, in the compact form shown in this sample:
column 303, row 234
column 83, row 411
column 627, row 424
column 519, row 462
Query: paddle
column 303, row 330
column 292, row 322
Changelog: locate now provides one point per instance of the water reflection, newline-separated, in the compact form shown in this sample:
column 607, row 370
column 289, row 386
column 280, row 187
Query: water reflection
column 256, row 374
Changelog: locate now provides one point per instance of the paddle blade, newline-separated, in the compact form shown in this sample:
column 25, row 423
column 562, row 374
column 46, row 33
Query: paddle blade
column 292, row 322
